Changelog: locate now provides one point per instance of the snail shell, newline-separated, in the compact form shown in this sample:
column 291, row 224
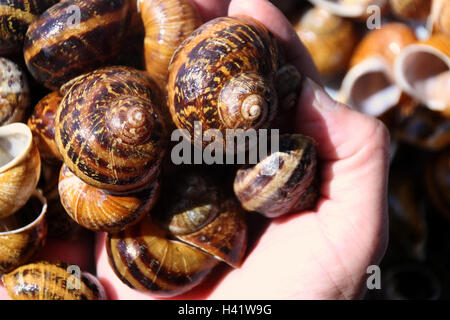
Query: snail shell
column 439, row 19
column 14, row 92
column 51, row 281
column 57, row 48
column 167, row 23
column 194, row 228
column 23, row 234
column 15, row 17
column 411, row 9
column 283, row 182
column 369, row 86
column 109, row 128
column 352, row 8
column 42, row 124
column 223, row 76
column 97, row 210
column 20, row 167
column 330, row 39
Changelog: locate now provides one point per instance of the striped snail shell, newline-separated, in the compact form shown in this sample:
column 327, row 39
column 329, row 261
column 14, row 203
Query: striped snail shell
column 14, row 92
column 167, row 23
column 109, row 129
column 15, row 17
column 42, row 124
column 284, row 182
column 97, row 210
column 57, row 48
column 172, row 250
column 223, row 76
column 52, row 281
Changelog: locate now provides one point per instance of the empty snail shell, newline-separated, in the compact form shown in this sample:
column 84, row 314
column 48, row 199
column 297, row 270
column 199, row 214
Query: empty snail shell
column 411, row 9
column 74, row 37
column 369, row 85
column 437, row 178
column 20, row 167
column 52, row 281
column 23, row 233
column 14, row 92
column 42, row 124
column 439, row 19
column 167, row 23
column 223, row 76
column 359, row 9
column 109, row 129
column 173, row 250
column 97, row 210
column 423, row 71
column 283, row 182
column 330, row 39
column 15, row 17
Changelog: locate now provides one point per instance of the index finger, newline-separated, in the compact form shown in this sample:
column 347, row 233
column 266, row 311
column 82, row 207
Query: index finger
column 210, row 9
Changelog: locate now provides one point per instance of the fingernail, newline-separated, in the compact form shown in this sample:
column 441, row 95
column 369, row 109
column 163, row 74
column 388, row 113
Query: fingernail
column 322, row 99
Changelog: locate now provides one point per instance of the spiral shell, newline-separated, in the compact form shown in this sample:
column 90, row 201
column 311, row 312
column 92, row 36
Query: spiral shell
column 283, row 182
column 223, row 76
column 20, row 167
column 109, row 129
column 23, row 234
column 97, row 210
column 439, row 19
column 52, row 281
column 14, row 92
column 167, row 23
column 411, row 9
column 58, row 47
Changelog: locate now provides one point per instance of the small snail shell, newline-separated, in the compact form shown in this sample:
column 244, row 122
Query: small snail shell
column 52, row 281
column 57, row 48
column 411, row 9
column 223, row 76
column 423, row 71
column 437, row 178
column 20, row 167
column 23, row 234
column 369, row 85
column 14, row 92
column 330, row 39
column 439, row 19
column 42, row 124
column 15, row 17
column 167, row 23
column 97, row 210
column 352, row 8
column 283, row 182
column 109, row 128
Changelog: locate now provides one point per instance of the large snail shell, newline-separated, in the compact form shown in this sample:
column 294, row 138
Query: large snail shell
column 97, row 210
column 109, row 128
column 42, row 124
column 437, row 178
column 57, row 48
column 423, row 71
column 15, row 17
column 167, row 23
column 223, row 76
column 23, row 234
column 439, row 19
column 411, row 9
column 20, row 167
column 369, row 85
column 283, row 182
column 330, row 39
column 52, row 281
column 352, row 8
column 14, row 92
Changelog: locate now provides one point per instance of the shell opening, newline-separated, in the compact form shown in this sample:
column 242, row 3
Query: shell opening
column 15, row 142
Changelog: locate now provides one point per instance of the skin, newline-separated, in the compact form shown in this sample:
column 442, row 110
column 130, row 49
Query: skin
column 325, row 252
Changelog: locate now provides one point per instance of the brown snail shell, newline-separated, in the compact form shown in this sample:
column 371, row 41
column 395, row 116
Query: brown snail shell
column 23, row 234
column 411, row 9
column 439, row 19
column 223, row 76
column 330, row 39
column 194, row 228
column 97, row 210
column 110, row 130
column 423, row 71
column 57, row 48
column 437, row 179
column 369, row 85
column 167, row 23
column 357, row 9
column 52, row 281
column 15, row 17
column 20, row 167
column 283, row 182
column 14, row 92
column 42, row 124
